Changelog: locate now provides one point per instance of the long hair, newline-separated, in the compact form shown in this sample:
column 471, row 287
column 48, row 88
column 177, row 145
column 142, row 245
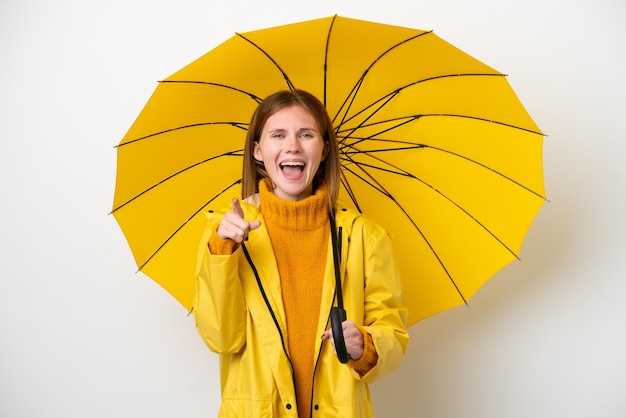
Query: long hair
column 329, row 170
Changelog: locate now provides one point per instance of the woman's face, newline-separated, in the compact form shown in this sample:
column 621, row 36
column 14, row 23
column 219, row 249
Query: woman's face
column 291, row 148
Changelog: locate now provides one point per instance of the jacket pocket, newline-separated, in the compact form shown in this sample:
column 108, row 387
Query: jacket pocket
column 247, row 408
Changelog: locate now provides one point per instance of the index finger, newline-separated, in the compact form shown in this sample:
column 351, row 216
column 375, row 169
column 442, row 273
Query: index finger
column 237, row 208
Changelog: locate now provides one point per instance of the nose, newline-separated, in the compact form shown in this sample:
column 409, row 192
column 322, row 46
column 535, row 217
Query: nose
column 293, row 144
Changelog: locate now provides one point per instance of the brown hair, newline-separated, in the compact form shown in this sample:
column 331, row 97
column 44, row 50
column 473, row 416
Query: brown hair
column 330, row 168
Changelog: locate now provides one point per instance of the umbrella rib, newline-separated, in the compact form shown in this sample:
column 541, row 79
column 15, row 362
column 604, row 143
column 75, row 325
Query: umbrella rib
column 239, row 125
column 410, row 145
column 236, row 153
column 486, row 167
column 355, row 89
column 351, row 98
column 208, row 83
column 403, row 121
column 348, row 189
column 412, row 118
column 382, row 190
column 409, row 119
column 352, row 130
column 330, row 29
column 399, row 171
column 185, row 223
column 387, row 98
column 285, row 76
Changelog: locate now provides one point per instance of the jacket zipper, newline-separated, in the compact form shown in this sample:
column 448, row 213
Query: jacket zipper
column 269, row 308
column 319, row 354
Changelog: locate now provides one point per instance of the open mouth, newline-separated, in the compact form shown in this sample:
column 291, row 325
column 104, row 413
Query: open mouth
column 292, row 168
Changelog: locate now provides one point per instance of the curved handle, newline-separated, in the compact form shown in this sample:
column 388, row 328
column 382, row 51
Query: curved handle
column 337, row 316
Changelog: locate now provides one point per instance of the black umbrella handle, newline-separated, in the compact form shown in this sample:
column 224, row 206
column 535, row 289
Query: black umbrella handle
column 337, row 313
column 337, row 316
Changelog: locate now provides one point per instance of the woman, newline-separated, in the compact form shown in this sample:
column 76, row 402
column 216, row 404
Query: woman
column 266, row 279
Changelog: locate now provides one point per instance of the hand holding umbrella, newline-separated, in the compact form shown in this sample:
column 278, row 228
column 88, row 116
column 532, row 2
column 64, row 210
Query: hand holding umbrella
column 352, row 337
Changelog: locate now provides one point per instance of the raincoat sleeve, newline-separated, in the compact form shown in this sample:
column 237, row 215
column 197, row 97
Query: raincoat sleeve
column 385, row 313
column 219, row 307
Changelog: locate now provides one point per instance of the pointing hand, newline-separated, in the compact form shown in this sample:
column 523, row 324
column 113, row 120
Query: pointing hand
column 234, row 226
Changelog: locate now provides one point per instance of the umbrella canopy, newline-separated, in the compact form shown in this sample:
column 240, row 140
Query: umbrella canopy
column 435, row 146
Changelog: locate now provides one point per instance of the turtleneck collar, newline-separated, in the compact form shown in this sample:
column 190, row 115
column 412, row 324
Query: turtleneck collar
column 306, row 214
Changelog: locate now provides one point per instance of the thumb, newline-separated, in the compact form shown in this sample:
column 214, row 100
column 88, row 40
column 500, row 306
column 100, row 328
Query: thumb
column 254, row 225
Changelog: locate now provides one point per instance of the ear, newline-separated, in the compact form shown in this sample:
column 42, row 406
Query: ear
column 325, row 151
column 256, row 152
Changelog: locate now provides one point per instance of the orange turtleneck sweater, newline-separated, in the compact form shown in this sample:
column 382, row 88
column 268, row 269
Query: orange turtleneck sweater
column 299, row 232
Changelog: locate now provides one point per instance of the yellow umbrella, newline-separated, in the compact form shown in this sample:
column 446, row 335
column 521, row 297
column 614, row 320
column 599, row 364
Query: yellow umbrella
column 435, row 146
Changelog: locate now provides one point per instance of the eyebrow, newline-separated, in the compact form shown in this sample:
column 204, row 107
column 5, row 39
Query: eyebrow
column 281, row 130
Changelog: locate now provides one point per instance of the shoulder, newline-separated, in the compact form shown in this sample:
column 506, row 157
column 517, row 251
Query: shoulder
column 356, row 222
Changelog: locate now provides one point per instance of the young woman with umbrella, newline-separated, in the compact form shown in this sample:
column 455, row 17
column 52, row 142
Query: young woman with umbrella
column 267, row 277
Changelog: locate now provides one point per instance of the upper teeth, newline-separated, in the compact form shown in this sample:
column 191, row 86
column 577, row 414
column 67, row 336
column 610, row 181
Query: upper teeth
column 292, row 163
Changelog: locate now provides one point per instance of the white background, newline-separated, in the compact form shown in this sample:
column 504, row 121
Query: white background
column 83, row 335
